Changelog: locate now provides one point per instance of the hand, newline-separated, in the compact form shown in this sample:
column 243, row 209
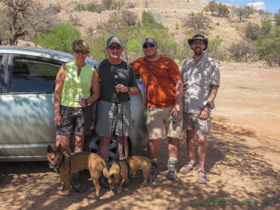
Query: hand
column 121, row 88
column 58, row 120
column 203, row 112
column 175, row 110
column 83, row 103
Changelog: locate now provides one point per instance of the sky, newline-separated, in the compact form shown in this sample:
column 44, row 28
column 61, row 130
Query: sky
column 271, row 6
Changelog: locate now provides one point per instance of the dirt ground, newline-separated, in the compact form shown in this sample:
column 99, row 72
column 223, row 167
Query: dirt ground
column 243, row 161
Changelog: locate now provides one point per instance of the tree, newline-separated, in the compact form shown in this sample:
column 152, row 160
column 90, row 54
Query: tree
column 60, row 37
column 242, row 12
column 24, row 18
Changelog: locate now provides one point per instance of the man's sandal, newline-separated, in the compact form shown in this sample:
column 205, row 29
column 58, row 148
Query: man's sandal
column 201, row 176
column 189, row 168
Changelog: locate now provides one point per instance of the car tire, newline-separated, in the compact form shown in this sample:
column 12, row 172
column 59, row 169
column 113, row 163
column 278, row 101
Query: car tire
column 92, row 143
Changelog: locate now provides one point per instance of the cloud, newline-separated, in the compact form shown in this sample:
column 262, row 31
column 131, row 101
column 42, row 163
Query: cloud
column 258, row 5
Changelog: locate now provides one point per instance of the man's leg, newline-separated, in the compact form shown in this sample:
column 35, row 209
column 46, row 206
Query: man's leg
column 202, row 152
column 191, row 143
column 122, row 142
column 104, row 147
column 173, row 149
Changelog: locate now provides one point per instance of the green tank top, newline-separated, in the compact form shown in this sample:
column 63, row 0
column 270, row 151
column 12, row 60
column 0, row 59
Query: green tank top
column 74, row 86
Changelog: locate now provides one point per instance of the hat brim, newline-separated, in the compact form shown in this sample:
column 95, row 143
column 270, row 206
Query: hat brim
column 190, row 41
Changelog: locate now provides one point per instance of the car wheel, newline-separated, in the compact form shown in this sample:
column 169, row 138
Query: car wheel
column 93, row 146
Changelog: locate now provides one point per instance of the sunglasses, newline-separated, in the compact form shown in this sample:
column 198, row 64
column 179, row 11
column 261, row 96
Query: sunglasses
column 198, row 43
column 81, row 51
column 114, row 47
column 148, row 46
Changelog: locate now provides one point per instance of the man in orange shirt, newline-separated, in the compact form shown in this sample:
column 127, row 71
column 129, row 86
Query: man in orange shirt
column 163, row 92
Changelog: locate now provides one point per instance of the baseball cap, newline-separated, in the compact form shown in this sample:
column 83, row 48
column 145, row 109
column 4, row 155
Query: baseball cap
column 149, row 40
column 114, row 39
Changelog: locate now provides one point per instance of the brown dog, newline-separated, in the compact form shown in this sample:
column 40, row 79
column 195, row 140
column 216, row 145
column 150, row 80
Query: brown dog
column 67, row 164
column 119, row 171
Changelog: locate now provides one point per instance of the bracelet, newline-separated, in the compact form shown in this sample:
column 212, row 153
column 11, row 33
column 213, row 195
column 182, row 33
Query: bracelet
column 128, row 89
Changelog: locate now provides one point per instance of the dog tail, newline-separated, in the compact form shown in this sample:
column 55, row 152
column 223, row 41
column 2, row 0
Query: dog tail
column 105, row 169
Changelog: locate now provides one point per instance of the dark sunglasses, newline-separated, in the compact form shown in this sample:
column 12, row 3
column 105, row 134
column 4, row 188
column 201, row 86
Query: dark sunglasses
column 114, row 47
column 81, row 51
column 198, row 43
column 148, row 45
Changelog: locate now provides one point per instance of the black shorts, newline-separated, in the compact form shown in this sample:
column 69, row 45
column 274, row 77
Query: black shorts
column 75, row 120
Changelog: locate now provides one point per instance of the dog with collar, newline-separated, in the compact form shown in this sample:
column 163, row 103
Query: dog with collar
column 67, row 164
column 120, row 170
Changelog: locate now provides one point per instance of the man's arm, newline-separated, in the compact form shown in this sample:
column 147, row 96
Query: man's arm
column 178, row 93
column 213, row 93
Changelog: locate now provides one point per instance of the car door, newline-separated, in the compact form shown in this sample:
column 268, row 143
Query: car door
column 26, row 108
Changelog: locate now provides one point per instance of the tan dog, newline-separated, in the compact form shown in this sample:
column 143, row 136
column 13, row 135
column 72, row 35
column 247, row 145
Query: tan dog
column 118, row 172
column 67, row 164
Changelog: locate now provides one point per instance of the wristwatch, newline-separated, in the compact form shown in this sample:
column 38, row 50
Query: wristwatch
column 128, row 89
column 87, row 102
column 209, row 105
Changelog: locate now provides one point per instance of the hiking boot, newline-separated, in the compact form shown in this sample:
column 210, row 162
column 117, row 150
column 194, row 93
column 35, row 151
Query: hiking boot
column 172, row 169
column 153, row 171
column 75, row 183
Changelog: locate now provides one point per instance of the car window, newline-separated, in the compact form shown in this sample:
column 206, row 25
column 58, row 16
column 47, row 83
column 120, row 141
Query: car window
column 33, row 76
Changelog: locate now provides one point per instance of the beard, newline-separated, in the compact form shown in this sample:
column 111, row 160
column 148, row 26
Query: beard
column 198, row 53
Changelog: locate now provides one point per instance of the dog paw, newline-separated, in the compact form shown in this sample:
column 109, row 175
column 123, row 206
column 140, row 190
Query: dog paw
column 59, row 188
column 119, row 191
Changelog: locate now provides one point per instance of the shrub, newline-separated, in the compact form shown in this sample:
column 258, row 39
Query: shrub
column 241, row 51
column 60, row 37
column 252, row 31
column 277, row 18
column 196, row 21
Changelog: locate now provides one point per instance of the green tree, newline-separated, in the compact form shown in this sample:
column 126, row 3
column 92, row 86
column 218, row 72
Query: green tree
column 60, row 37
column 268, row 47
column 265, row 28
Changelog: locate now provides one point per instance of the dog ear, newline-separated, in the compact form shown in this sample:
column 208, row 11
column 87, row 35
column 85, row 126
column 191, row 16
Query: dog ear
column 59, row 148
column 49, row 149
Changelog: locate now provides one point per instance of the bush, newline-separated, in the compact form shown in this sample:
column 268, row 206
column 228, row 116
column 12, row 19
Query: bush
column 268, row 47
column 128, row 18
column 219, row 10
column 197, row 21
column 60, row 37
column 277, row 18
column 147, row 17
column 242, row 51
column 252, row 31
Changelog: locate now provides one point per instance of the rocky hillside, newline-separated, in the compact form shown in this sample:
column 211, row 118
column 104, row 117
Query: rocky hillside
column 171, row 13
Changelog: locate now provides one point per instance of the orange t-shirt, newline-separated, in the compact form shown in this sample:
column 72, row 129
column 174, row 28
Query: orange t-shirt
column 158, row 79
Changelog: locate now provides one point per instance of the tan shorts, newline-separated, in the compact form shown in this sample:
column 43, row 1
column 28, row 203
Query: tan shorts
column 158, row 118
column 191, row 121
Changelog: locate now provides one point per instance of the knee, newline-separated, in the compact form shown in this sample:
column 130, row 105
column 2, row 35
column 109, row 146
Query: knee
column 202, row 141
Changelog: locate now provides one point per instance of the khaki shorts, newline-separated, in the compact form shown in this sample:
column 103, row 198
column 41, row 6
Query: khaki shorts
column 191, row 121
column 113, row 118
column 158, row 118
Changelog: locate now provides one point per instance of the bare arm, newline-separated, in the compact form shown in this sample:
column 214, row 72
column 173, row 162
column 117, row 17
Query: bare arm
column 57, row 92
column 178, row 93
column 213, row 93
